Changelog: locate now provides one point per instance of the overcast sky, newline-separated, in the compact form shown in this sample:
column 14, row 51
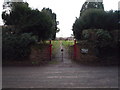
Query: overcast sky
column 66, row 10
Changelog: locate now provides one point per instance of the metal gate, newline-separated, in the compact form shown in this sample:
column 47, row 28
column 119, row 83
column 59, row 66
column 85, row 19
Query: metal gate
column 61, row 51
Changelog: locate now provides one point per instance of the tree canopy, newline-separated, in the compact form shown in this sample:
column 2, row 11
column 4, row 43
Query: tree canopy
column 96, row 19
column 24, row 19
column 52, row 16
column 91, row 5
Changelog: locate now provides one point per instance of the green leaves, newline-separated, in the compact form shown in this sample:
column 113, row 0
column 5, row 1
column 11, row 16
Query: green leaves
column 96, row 19
column 91, row 5
column 26, row 20
column 52, row 17
column 17, row 46
column 103, row 39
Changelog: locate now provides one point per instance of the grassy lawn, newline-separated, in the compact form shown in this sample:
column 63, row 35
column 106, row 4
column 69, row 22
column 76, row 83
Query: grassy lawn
column 56, row 44
column 55, row 47
column 67, row 43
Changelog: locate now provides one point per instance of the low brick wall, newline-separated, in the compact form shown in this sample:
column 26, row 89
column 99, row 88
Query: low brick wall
column 40, row 55
column 90, row 56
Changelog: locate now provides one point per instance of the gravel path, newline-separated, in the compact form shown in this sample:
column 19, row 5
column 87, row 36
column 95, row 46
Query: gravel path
column 62, row 74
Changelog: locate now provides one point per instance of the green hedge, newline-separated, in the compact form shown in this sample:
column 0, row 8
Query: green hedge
column 101, row 38
column 103, row 41
column 16, row 46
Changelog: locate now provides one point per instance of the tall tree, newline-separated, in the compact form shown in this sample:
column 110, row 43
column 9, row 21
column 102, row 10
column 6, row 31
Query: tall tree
column 91, row 5
column 54, row 21
column 18, row 11
column 96, row 19
column 24, row 19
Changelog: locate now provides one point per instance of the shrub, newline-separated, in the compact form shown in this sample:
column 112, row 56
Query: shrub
column 16, row 46
column 103, row 39
column 100, row 37
column 85, row 35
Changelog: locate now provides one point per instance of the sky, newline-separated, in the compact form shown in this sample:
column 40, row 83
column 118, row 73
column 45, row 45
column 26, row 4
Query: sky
column 66, row 11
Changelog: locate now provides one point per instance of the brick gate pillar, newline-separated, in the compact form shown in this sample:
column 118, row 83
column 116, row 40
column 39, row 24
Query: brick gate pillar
column 50, row 50
column 75, row 49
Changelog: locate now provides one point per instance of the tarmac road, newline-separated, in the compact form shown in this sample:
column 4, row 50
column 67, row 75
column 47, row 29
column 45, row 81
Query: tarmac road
column 60, row 76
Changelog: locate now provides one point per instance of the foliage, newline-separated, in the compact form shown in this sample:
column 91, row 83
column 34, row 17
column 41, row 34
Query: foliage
column 96, row 19
column 55, row 47
column 17, row 46
column 27, row 20
column 40, row 25
column 77, row 28
column 91, row 5
column 85, row 35
column 67, row 43
column 103, row 39
column 54, row 22
column 17, row 11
